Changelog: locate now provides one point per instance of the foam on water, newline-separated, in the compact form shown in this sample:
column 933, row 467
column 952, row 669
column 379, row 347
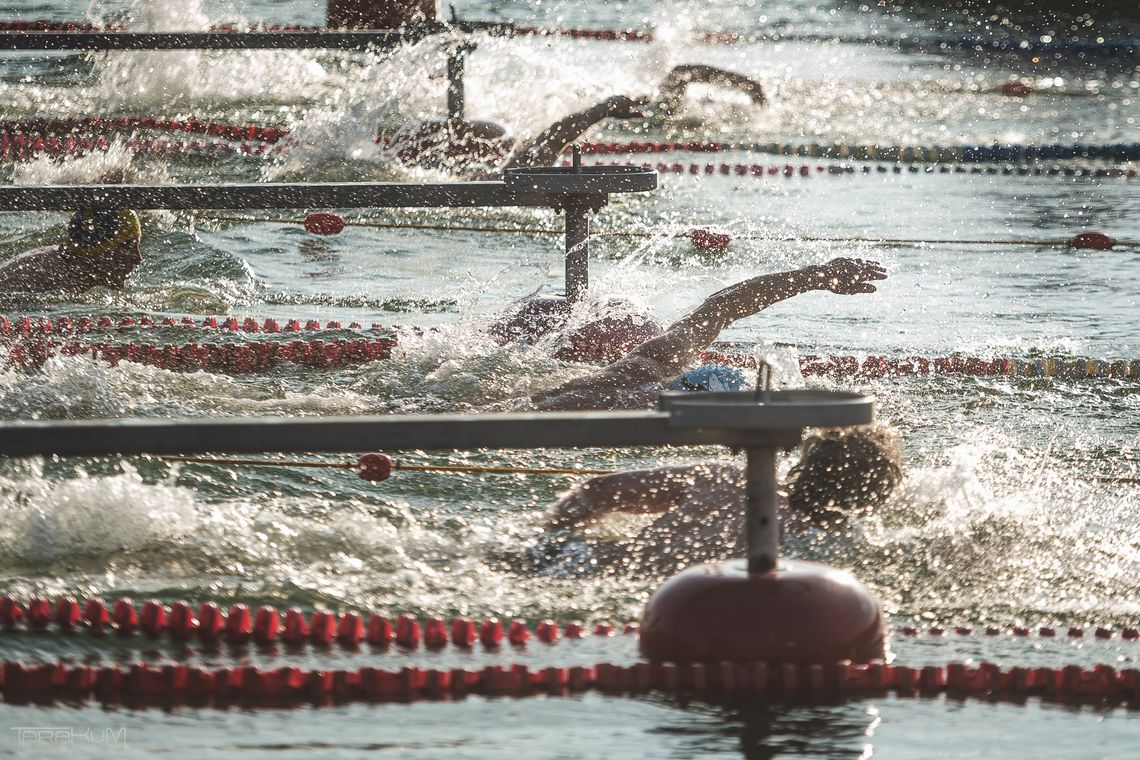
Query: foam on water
column 116, row 163
column 48, row 521
column 165, row 79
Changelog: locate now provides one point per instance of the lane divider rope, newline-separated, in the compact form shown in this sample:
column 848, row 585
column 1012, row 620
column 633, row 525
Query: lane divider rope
column 805, row 171
column 207, row 622
column 256, row 356
column 885, row 366
column 325, row 223
column 25, row 325
column 996, row 153
column 230, row 358
column 143, row 683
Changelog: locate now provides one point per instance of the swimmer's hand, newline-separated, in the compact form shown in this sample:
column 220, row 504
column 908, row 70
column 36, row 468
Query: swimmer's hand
column 848, row 276
column 625, row 107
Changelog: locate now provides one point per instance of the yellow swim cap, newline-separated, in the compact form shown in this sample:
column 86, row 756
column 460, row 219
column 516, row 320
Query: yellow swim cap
column 92, row 233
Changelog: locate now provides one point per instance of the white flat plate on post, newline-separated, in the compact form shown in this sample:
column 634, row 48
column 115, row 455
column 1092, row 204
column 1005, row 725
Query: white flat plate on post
column 584, row 179
column 783, row 410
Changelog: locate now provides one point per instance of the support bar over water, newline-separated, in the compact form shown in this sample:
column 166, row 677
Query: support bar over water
column 354, row 434
column 577, row 193
column 277, row 196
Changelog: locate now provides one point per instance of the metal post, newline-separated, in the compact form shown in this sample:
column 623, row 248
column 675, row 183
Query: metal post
column 577, row 248
column 455, row 95
column 762, row 523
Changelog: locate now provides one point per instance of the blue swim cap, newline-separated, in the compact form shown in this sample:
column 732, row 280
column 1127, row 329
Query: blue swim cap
column 709, row 377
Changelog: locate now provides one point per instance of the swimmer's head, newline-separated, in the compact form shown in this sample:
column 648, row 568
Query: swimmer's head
column 844, row 470
column 533, row 318
column 94, row 233
column 709, row 377
column 609, row 331
column 459, row 140
column 107, row 240
column 615, row 329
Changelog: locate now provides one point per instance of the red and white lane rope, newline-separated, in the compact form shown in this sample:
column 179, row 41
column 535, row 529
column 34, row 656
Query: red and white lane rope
column 142, row 684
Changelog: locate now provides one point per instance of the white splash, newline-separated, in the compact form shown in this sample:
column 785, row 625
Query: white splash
column 47, row 520
column 168, row 78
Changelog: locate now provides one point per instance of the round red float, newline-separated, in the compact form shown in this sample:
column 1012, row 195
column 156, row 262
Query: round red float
column 1015, row 88
column 707, row 240
column 801, row 612
column 374, row 467
column 1097, row 241
column 323, row 223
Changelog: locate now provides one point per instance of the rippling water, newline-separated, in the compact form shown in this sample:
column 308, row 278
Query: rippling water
column 1001, row 520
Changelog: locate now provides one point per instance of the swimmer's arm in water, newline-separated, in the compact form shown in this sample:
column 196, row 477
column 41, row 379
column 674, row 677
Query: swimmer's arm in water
column 640, row 492
column 545, row 149
column 672, row 88
column 665, row 356
column 681, row 345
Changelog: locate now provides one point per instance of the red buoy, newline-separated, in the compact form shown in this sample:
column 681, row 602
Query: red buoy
column 323, row 223
column 1015, row 88
column 707, row 240
column 374, row 467
column 801, row 612
column 1096, row 241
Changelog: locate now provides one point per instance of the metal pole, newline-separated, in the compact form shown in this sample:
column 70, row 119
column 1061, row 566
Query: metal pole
column 455, row 95
column 577, row 248
column 762, row 523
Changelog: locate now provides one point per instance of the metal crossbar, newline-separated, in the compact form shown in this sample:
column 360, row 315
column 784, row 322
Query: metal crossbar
column 278, row 196
column 306, row 39
column 354, row 434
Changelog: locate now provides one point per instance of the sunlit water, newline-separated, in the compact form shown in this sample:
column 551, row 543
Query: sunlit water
column 1001, row 519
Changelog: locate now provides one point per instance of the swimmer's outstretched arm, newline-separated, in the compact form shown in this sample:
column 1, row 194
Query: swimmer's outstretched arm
column 681, row 345
column 672, row 88
column 640, row 492
column 545, row 149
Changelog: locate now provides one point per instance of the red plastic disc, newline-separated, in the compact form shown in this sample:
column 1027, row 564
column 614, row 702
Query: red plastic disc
column 324, row 223
column 1097, row 241
column 1016, row 88
column 375, row 467
column 707, row 240
column 802, row 612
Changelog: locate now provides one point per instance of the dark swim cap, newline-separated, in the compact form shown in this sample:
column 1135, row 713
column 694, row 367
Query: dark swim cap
column 92, row 233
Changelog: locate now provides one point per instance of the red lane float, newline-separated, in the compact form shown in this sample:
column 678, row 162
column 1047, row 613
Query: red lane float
column 102, row 125
column 25, row 325
column 800, row 612
column 207, row 622
column 1096, row 241
column 322, row 223
column 143, row 684
column 230, row 358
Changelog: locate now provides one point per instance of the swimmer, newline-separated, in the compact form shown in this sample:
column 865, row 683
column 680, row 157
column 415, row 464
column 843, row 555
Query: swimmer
column 101, row 248
column 645, row 360
column 701, row 507
column 460, row 145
